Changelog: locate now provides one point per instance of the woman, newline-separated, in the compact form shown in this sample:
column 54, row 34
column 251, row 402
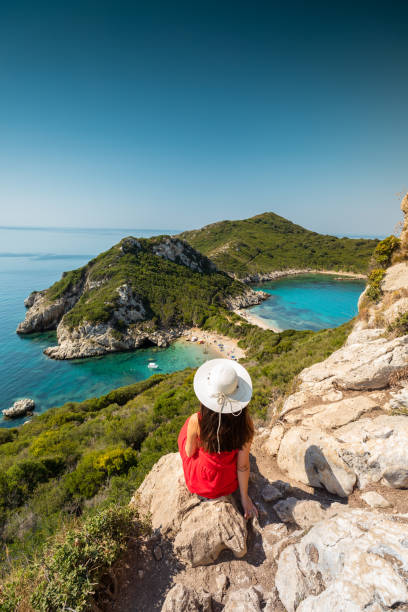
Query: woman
column 214, row 443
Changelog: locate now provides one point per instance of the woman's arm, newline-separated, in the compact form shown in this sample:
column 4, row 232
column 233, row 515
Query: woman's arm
column 243, row 470
column 192, row 434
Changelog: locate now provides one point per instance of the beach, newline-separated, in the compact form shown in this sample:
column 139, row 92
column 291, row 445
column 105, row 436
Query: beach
column 229, row 346
column 255, row 320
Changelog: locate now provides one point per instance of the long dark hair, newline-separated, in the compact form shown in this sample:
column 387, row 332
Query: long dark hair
column 235, row 431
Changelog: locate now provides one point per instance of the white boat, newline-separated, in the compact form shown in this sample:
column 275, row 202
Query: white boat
column 152, row 364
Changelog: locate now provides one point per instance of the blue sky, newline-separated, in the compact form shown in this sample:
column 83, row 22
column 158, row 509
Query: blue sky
column 175, row 115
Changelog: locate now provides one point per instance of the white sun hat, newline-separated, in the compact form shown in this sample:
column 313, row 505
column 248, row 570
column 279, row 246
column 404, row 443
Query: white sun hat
column 223, row 385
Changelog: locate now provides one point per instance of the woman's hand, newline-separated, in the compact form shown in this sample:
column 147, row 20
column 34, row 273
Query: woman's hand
column 249, row 507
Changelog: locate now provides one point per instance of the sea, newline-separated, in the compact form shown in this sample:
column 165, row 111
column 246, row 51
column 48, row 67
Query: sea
column 34, row 258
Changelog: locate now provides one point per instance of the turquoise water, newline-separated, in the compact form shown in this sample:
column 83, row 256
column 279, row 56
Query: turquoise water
column 309, row 301
column 29, row 259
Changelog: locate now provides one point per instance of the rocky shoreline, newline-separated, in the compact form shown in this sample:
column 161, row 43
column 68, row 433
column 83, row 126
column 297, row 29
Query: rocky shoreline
column 269, row 276
column 95, row 339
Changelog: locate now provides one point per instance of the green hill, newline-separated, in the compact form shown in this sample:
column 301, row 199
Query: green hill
column 141, row 291
column 268, row 243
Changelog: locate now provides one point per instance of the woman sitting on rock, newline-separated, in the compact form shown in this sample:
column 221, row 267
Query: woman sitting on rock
column 214, row 443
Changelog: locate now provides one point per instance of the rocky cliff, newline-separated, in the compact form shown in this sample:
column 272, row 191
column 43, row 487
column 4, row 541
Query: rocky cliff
column 139, row 292
column 329, row 476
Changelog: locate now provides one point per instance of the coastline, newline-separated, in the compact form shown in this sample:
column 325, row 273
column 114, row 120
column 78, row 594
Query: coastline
column 255, row 320
column 268, row 276
column 212, row 340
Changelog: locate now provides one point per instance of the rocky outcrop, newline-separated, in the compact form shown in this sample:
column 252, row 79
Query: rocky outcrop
column 44, row 315
column 19, row 408
column 352, row 561
column 246, row 299
column 92, row 339
column 200, row 530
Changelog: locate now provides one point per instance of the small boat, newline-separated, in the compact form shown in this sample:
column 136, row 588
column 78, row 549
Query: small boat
column 152, row 364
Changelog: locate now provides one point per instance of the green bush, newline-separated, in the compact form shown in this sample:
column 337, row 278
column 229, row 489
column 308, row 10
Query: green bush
column 385, row 249
column 68, row 575
column 86, row 480
column 7, row 435
column 375, row 278
column 400, row 325
column 117, row 460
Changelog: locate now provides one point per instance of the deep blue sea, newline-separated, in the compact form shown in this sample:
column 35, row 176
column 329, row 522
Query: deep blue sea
column 35, row 258
column 309, row 301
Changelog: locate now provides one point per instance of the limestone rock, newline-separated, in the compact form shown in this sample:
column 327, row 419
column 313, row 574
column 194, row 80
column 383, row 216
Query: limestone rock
column 393, row 312
column 396, row 476
column 399, row 400
column 165, row 481
column 273, row 440
column 376, row 450
column 303, row 513
column 375, row 500
column 201, row 529
column 243, row 600
column 184, row 599
column 314, row 458
column 333, row 396
column 346, row 563
column 396, row 277
column 19, row 408
column 208, row 529
column 331, row 416
column 364, row 363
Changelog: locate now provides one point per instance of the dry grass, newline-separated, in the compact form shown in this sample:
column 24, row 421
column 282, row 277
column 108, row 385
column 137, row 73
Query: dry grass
column 398, row 376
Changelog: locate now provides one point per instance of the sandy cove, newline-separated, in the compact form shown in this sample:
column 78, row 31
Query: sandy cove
column 212, row 340
column 255, row 320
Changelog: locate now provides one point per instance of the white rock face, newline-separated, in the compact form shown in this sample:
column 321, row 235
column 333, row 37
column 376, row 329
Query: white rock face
column 314, row 457
column 346, row 563
column 19, row 408
column 364, row 363
column 375, row 500
column 303, row 513
column 183, row 599
column 377, row 450
column 399, row 307
column 273, row 439
column 208, row 529
column 201, row 529
column 396, row 277
column 243, row 600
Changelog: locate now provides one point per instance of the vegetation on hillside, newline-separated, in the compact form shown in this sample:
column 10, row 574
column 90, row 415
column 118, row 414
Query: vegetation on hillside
column 268, row 242
column 68, row 574
column 170, row 292
column 78, row 459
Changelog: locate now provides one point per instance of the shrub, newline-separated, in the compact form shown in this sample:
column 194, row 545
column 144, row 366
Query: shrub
column 375, row 278
column 7, row 435
column 68, row 575
column 384, row 250
column 400, row 326
column 117, row 460
column 86, row 480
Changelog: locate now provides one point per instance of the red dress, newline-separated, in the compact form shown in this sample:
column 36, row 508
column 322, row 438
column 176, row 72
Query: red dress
column 208, row 474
